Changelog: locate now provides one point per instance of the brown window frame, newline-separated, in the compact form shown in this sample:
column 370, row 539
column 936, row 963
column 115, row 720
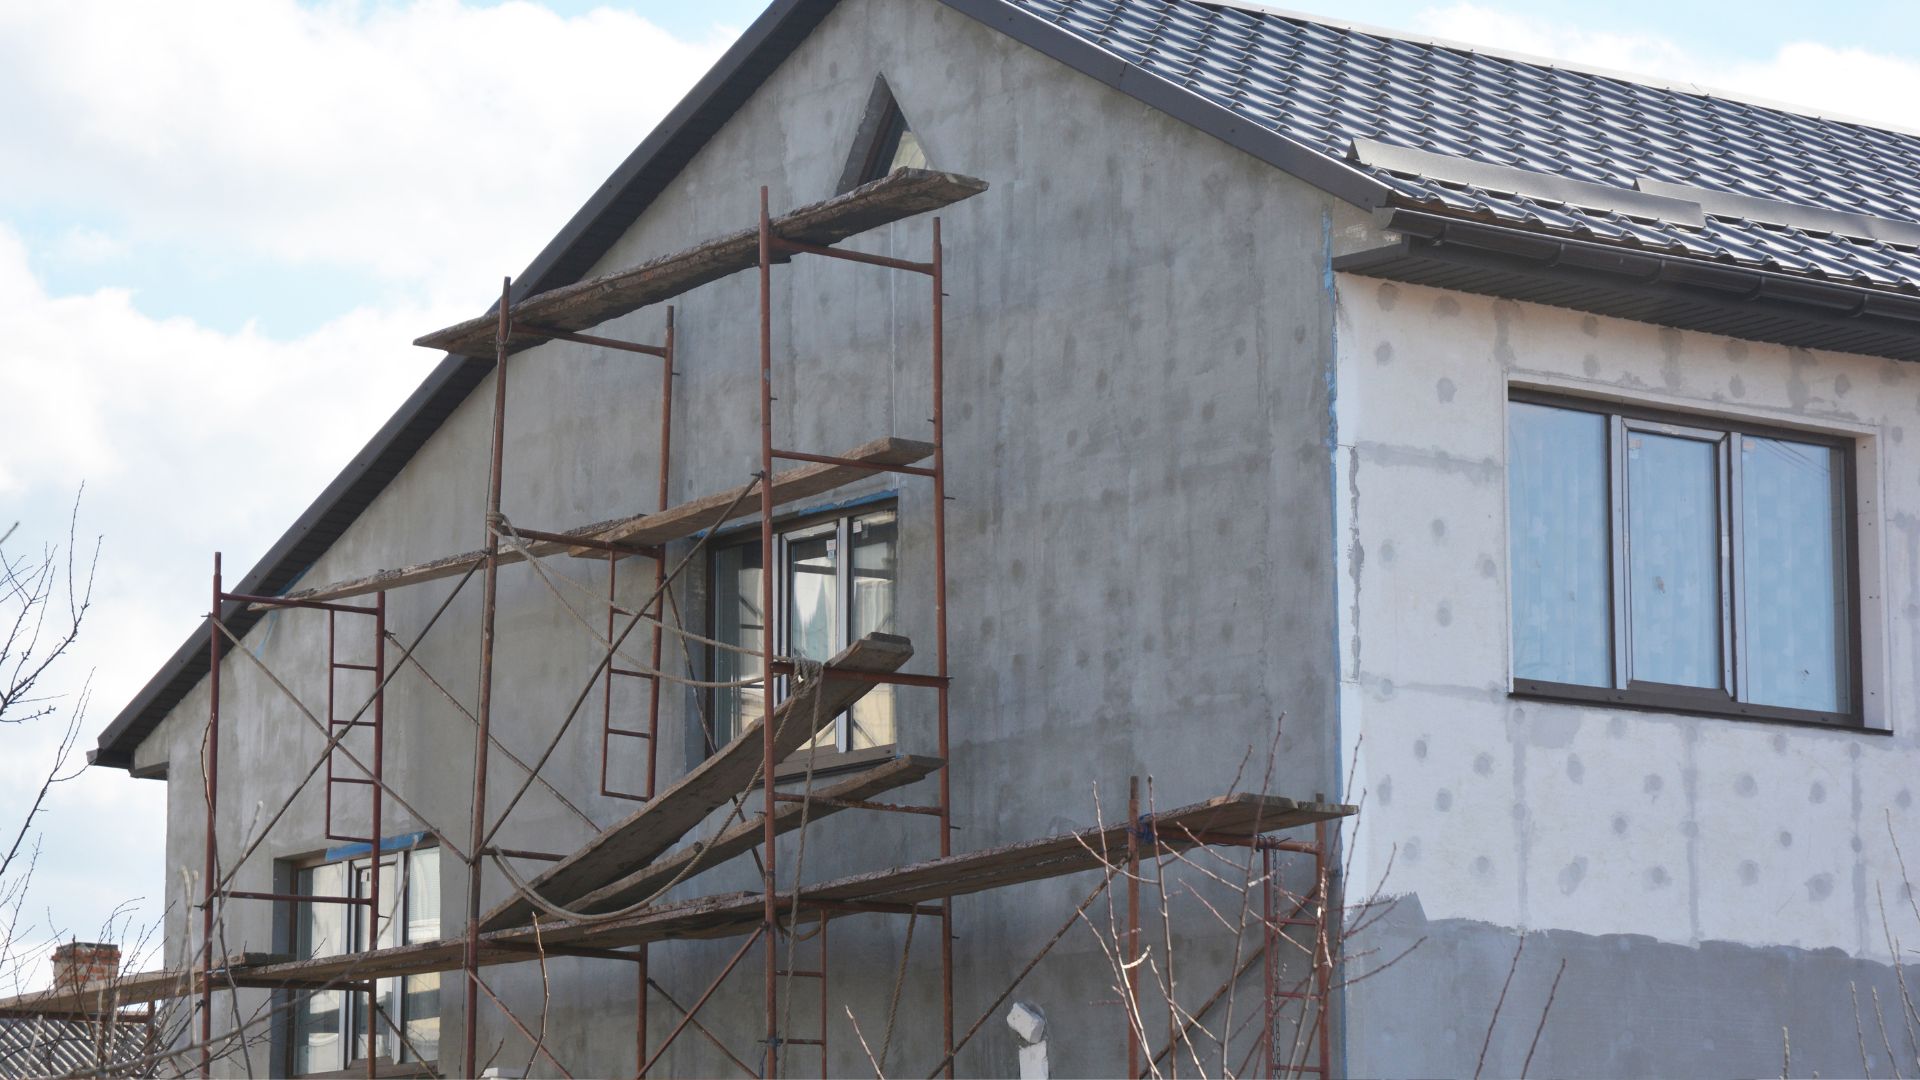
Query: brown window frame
column 1699, row 701
column 826, row 759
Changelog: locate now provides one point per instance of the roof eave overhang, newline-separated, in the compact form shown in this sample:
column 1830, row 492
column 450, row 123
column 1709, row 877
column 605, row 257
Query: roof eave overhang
column 1645, row 286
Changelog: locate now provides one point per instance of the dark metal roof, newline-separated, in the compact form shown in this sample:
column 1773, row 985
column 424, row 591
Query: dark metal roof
column 1325, row 87
column 1770, row 196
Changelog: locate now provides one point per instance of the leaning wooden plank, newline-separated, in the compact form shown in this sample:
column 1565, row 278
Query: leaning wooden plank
column 673, row 523
column 900, row 194
column 650, row 831
column 744, row 836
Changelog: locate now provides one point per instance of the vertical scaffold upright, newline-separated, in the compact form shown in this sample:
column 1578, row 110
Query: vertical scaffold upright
column 773, row 248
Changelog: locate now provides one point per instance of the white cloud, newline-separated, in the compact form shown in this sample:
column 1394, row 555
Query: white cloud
column 434, row 143
column 1807, row 76
column 188, row 440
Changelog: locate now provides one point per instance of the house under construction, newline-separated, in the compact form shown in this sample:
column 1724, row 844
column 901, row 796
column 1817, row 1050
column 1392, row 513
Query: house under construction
column 1220, row 528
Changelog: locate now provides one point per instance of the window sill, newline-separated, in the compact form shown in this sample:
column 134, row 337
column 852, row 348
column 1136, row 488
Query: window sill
column 1679, row 700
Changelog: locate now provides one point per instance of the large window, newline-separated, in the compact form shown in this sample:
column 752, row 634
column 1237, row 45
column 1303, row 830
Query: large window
column 835, row 584
column 330, row 1027
column 1674, row 563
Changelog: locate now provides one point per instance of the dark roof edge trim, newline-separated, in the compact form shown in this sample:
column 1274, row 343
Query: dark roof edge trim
column 1737, row 301
column 1329, row 174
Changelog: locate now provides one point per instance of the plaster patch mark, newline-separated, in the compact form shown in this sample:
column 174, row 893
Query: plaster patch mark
column 1383, row 353
column 1904, row 799
column 1420, row 749
column 1746, row 785
column 1443, row 800
column 1503, row 314
column 1443, row 614
column 1671, row 341
column 1522, row 834
column 1477, row 470
column 1488, row 568
column 1785, row 839
column 1445, row 390
column 1483, row 764
column 1576, row 771
column 1737, row 387
column 1619, row 824
column 1439, row 528
column 1652, row 785
column 1690, row 784
column 1841, row 384
column 1749, row 872
column 1819, row 887
column 1389, row 295
column 1446, row 307
column 1384, row 791
column 1356, row 552
column 1572, row 874
column 1590, row 326
column 1658, row 878
column 1817, row 793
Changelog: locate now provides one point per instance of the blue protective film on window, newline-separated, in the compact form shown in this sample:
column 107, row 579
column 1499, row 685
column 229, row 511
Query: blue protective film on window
column 1794, row 603
column 1562, row 604
column 1673, row 529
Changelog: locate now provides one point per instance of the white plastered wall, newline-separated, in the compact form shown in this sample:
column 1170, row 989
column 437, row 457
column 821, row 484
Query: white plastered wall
column 1542, row 815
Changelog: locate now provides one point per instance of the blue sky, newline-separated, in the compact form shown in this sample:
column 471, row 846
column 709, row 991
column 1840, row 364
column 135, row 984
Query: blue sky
column 240, row 208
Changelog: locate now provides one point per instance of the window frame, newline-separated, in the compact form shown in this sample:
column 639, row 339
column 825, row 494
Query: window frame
column 353, row 1000
column 837, row 522
column 1626, row 692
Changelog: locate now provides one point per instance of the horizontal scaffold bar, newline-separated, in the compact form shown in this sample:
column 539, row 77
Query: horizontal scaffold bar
column 901, row 194
column 1242, row 816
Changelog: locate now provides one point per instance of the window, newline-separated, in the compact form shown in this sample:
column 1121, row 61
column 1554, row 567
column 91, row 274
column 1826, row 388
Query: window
column 330, row 1026
column 835, row 584
column 885, row 141
column 1674, row 563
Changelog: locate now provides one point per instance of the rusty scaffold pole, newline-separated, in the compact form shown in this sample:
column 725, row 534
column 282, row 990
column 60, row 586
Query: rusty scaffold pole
column 770, row 833
column 211, row 777
column 483, row 711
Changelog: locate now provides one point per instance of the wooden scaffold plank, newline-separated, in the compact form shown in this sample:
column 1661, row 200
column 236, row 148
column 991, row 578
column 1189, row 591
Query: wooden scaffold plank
column 900, row 194
column 746, row 835
column 1229, row 818
column 642, row 530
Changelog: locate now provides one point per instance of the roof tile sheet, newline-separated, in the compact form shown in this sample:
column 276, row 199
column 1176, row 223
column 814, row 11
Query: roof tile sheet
column 1325, row 86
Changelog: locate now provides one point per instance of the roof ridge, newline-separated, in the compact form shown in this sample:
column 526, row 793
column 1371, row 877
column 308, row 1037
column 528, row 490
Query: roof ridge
column 1558, row 63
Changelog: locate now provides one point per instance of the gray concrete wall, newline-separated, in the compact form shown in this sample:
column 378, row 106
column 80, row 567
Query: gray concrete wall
column 1708, row 881
column 1141, row 560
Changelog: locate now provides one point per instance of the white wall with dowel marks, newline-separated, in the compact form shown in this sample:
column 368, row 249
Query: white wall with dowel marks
column 1536, row 816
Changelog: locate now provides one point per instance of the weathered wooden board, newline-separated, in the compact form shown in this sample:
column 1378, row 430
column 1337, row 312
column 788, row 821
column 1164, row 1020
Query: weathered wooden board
column 900, row 194
column 673, row 523
column 1232, row 816
column 648, row 832
column 746, row 835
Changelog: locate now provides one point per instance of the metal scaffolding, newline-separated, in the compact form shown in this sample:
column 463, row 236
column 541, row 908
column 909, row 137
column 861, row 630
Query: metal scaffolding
column 606, row 895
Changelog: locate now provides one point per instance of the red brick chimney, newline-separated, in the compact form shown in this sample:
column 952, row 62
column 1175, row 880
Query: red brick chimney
column 83, row 963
